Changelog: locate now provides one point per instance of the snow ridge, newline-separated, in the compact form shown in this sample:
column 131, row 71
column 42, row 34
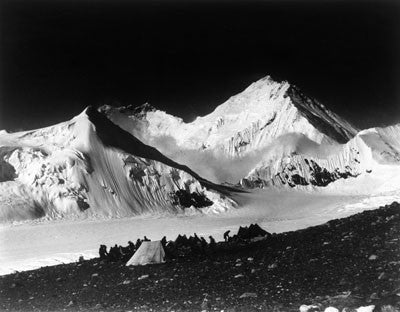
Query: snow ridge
column 89, row 167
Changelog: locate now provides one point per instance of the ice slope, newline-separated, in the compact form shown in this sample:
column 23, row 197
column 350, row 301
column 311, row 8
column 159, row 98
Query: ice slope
column 370, row 156
column 89, row 167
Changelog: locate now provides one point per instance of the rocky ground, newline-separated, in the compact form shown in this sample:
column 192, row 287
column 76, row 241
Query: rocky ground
column 345, row 263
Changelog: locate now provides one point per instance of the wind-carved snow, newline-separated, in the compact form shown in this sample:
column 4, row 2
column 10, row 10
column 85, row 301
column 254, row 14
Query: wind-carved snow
column 90, row 167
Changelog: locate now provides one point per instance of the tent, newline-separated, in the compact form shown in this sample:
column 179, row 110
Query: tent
column 148, row 253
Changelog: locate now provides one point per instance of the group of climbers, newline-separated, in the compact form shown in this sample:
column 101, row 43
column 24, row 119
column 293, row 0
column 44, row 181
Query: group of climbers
column 120, row 253
column 184, row 246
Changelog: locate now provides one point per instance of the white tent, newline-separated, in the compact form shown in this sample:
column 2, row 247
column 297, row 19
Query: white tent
column 148, row 253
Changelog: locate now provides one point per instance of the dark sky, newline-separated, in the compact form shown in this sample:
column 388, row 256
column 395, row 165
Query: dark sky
column 187, row 57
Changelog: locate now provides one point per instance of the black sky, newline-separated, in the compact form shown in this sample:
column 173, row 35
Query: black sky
column 187, row 57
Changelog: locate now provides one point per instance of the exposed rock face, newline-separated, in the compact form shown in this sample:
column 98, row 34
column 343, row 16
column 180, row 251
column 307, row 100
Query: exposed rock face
column 187, row 199
column 321, row 118
column 298, row 169
column 292, row 175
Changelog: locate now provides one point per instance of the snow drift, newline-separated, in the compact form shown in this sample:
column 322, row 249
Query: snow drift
column 89, row 167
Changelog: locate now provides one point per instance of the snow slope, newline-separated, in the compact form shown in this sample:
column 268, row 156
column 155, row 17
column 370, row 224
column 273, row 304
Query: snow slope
column 89, row 167
column 369, row 155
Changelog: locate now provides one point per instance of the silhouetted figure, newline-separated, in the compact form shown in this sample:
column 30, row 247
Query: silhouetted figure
column 204, row 243
column 121, row 253
column 226, row 236
column 103, row 252
column 164, row 241
column 116, row 252
column 170, row 250
column 131, row 247
column 178, row 240
column 145, row 239
column 113, row 255
column 192, row 245
column 213, row 243
column 181, row 240
column 127, row 252
column 138, row 243
column 196, row 238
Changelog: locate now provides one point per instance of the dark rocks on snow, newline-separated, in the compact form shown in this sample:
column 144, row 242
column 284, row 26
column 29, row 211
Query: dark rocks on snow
column 320, row 176
column 187, row 199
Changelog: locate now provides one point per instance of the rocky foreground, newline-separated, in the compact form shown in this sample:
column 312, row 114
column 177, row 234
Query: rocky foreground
column 346, row 264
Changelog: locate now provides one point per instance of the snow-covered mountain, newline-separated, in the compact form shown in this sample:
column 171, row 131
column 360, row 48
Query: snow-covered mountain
column 245, row 123
column 90, row 167
column 269, row 134
column 227, row 144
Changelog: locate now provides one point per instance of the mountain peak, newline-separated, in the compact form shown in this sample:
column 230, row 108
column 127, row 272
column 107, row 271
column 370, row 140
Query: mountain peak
column 90, row 166
column 142, row 110
column 320, row 117
column 267, row 80
column 246, row 122
column 138, row 111
column 268, row 97
column 111, row 135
